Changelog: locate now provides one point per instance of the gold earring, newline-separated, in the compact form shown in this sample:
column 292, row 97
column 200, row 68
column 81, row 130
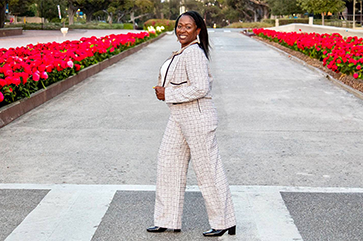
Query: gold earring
column 198, row 39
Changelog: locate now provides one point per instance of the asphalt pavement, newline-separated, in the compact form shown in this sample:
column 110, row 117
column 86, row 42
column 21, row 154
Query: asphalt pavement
column 290, row 141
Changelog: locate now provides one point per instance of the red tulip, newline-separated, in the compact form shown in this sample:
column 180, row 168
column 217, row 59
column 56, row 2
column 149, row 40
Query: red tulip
column 78, row 67
column 36, row 76
column 41, row 60
column 2, row 83
column 70, row 64
column 44, row 75
column 346, row 53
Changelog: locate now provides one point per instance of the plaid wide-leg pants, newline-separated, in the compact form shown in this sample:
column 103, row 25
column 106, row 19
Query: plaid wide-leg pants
column 190, row 135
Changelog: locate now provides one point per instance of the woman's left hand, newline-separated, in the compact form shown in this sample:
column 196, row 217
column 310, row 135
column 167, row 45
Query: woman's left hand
column 160, row 92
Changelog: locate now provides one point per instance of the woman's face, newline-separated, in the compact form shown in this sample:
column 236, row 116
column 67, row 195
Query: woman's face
column 186, row 30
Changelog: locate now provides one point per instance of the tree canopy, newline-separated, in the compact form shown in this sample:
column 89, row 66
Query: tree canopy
column 284, row 7
column 322, row 6
column 221, row 12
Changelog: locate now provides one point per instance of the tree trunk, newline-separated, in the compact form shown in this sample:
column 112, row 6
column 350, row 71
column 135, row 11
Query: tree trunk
column 265, row 13
column 109, row 18
column 361, row 9
column 322, row 18
column 2, row 15
column 89, row 17
column 132, row 19
column 247, row 16
column 71, row 12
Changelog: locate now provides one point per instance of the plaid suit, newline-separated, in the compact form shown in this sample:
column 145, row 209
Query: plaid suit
column 190, row 135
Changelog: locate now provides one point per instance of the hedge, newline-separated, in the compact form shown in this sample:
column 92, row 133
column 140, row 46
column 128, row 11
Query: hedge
column 284, row 21
column 168, row 24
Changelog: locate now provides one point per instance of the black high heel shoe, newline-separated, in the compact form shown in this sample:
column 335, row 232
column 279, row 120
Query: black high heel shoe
column 220, row 232
column 156, row 229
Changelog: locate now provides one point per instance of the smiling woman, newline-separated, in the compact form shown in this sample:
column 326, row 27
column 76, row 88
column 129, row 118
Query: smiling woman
column 185, row 84
column 187, row 30
column 194, row 28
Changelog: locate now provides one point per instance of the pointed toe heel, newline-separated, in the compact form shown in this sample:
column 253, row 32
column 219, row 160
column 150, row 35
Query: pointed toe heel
column 232, row 230
column 157, row 229
column 220, row 232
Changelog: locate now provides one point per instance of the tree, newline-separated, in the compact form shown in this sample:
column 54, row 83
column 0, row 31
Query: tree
column 138, row 9
column 284, row 7
column 3, row 8
column 110, row 11
column 213, row 13
column 322, row 6
column 49, row 9
column 21, row 7
column 170, row 9
column 89, row 7
column 73, row 6
column 2, row 13
column 249, row 10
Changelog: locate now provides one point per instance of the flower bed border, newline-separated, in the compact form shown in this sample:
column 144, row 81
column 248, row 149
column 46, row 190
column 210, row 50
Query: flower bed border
column 16, row 109
column 347, row 82
column 5, row 32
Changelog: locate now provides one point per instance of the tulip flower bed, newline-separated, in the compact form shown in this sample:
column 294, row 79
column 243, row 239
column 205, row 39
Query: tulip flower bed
column 341, row 55
column 25, row 70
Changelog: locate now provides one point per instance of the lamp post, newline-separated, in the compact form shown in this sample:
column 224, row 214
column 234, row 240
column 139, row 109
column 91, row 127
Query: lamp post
column 361, row 13
column 354, row 14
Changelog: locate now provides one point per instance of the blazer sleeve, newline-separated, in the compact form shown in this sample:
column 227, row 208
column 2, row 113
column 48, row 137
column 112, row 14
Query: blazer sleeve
column 198, row 86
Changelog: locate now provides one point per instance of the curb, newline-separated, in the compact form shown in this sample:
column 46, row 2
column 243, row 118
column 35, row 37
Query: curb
column 5, row 32
column 14, row 110
column 351, row 90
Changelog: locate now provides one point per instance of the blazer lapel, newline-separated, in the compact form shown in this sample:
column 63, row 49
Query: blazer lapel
column 171, row 72
column 176, row 57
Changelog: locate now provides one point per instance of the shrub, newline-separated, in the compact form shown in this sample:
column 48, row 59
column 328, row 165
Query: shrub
column 55, row 20
column 58, row 25
column 250, row 25
column 128, row 26
column 168, row 24
column 285, row 21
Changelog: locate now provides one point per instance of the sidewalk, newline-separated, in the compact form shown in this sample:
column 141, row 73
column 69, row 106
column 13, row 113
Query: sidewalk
column 83, row 165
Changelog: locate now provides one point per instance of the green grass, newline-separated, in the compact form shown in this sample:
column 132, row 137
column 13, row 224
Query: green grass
column 57, row 26
column 249, row 25
column 266, row 23
column 102, row 26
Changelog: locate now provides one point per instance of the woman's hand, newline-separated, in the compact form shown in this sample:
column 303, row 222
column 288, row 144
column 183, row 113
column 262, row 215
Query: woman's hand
column 160, row 92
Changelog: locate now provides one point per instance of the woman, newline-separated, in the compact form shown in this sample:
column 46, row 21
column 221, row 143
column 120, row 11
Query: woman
column 185, row 85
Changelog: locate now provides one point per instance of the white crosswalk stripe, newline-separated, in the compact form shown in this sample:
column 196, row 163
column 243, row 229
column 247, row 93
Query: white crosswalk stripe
column 77, row 210
column 63, row 209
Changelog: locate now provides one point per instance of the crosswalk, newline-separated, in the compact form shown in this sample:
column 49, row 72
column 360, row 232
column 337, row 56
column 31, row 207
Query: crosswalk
column 74, row 212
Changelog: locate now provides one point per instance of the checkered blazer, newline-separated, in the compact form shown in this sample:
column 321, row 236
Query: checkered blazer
column 188, row 77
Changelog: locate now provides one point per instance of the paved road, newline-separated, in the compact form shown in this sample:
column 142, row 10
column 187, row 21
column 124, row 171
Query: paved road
column 282, row 127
